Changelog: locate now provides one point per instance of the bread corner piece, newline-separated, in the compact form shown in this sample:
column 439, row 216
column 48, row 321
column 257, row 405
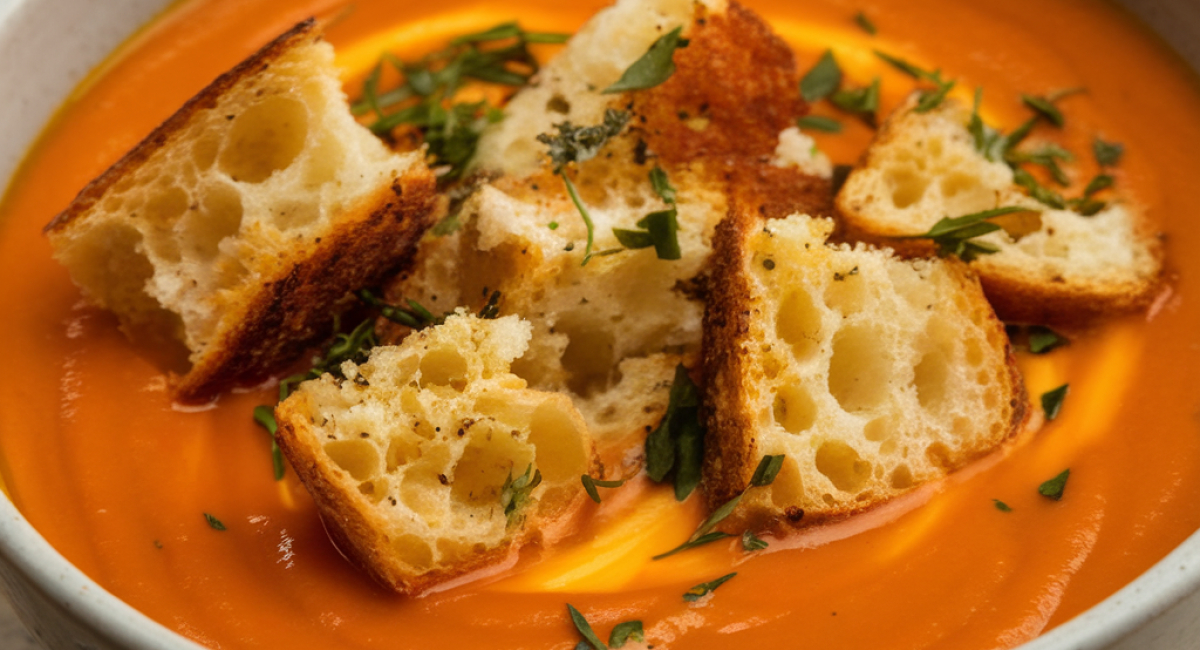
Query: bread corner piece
column 1053, row 266
column 409, row 456
column 870, row 373
column 238, row 224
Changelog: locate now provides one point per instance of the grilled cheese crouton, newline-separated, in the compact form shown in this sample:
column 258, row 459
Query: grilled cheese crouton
column 238, row 225
column 1053, row 266
column 611, row 332
column 871, row 374
column 416, row 458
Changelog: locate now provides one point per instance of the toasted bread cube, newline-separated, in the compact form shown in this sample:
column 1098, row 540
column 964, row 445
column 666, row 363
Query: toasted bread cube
column 238, row 225
column 611, row 333
column 871, row 374
column 408, row 457
column 1053, row 266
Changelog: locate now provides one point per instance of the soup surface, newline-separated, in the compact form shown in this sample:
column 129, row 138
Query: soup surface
column 119, row 479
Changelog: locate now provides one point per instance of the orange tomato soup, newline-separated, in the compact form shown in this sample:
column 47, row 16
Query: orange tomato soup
column 118, row 479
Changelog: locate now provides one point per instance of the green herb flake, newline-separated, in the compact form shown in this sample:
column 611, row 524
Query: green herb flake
column 516, row 493
column 1107, row 153
column 768, row 468
column 1044, row 107
column 629, row 630
column 677, row 444
column 764, row 474
column 705, row 588
column 425, row 98
column 213, row 522
column 585, row 629
column 1044, row 339
column 662, row 185
column 751, row 542
column 553, row 225
column 265, row 416
column 590, row 484
column 1039, row 192
column 865, row 23
column 822, row 80
column 1099, row 183
column 819, row 123
column 1052, row 401
column 576, row 145
column 929, row 99
column 953, row 235
column 654, row 67
column 1001, row 506
column 661, row 228
column 1053, row 489
column 861, row 101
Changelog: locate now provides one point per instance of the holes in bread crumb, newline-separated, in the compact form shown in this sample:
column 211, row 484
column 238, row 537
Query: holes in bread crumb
column 877, row 430
column 974, row 351
column 907, row 186
column 503, row 408
column 847, row 293
column 939, row 456
column 588, row 358
column 930, row 377
column 219, row 216
column 444, row 367
column 490, row 456
column 860, row 368
column 794, row 408
column 358, row 457
column 264, row 139
column 558, row 441
column 799, row 323
column 374, row 490
column 413, row 551
column 958, row 183
column 402, row 450
column 902, row 478
column 788, row 487
column 421, row 490
column 204, row 150
column 842, row 465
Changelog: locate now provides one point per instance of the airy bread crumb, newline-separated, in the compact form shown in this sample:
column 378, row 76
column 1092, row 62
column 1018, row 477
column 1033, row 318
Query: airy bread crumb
column 238, row 225
column 1053, row 266
column 408, row 457
column 870, row 373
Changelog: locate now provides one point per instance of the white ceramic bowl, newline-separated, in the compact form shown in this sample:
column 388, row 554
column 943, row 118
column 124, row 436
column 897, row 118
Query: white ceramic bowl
column 47, row 46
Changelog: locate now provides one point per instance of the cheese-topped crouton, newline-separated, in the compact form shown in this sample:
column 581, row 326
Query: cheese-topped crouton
column 871, row 374
column 431, row 460
column 1052, row 265
column 238, row 225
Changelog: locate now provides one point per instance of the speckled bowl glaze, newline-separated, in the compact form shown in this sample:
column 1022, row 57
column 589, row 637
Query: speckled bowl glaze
column 47, row 46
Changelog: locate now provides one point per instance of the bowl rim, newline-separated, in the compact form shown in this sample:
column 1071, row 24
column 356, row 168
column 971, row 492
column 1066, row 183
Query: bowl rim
column 44, row 571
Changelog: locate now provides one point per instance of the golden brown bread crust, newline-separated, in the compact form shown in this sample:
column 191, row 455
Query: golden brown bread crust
column 738, row 77
column 357, row 535
column 726, row 329
column 730, row 376
column 262, row 331
column 294, row 310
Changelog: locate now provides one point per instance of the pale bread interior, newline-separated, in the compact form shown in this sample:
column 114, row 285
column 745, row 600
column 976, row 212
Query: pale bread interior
column 870, row 373
column 421, row 438
column 925, row 166
column 610, row 333
column 242, row 190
